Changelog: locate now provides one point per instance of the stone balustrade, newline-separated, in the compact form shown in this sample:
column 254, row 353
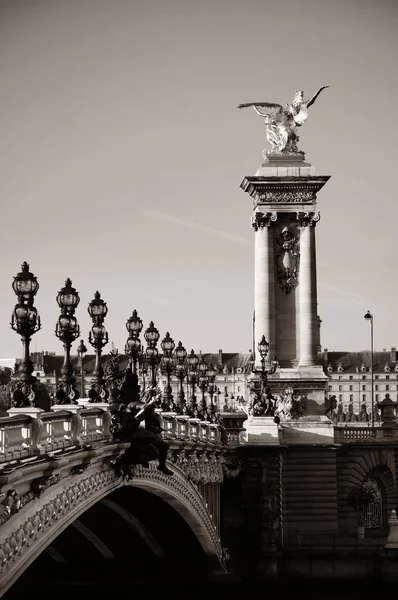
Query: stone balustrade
column 23, row 436
column 344, row 435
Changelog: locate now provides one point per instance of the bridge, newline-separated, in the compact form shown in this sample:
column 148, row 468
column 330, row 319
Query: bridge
column 58, row 465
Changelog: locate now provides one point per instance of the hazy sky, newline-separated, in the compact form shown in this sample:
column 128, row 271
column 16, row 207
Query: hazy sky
column 122, row 152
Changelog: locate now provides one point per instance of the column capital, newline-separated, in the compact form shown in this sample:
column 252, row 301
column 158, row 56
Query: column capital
column 261, row 220
column 308, row 218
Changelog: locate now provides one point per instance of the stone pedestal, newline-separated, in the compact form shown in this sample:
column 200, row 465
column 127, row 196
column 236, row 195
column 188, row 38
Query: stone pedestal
column 73, row 408
column 31, row 411
column 392, row 540
column 261, row 431
column 308, row 430
column 284, row 191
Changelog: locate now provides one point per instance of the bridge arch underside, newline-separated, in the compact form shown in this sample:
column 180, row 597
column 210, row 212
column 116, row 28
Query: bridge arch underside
column 129, row 536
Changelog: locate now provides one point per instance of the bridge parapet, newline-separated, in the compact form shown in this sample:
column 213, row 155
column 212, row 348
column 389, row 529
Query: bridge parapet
column 23, row 436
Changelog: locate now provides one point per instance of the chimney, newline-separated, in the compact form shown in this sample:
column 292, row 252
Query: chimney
column 220, row 358
column 393, row 355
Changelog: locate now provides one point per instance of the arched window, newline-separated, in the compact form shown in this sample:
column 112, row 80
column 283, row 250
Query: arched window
column 371, row 515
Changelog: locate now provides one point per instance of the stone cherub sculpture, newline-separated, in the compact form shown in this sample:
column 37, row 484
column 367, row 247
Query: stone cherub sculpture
column 282, row 122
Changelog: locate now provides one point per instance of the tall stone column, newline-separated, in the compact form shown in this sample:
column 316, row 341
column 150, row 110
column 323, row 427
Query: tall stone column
column 264, row 283
column 308, row 291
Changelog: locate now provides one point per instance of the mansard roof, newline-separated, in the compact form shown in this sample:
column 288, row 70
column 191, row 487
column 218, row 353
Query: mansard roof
column 52, row 362
column 351, row 361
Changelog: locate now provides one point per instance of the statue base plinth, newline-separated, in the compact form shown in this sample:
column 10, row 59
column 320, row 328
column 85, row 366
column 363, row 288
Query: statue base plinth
column 73, row 408
column 392, row 540
column 260, row 431
column 312, row 429
column 285, row 165
column 30, row 411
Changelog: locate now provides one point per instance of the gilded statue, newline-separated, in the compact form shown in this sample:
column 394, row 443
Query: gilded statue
column 282, row 123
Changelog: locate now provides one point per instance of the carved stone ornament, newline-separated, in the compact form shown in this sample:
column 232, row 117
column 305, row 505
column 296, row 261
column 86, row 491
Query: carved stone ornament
column 200, row 467
column 261, row 220
column 287, row 258
column 281, row 196
column 308, row 218
column 290, row 406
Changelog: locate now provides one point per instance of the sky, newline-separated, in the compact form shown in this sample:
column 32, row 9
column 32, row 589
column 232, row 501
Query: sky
column 122, row 152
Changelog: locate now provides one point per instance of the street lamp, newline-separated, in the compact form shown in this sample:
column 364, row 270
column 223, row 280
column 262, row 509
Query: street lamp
column 67, row 331
column 369, row 317
column 180, row 355
column 263, row 347
column 134, row 326
column 203, row 383
column 25, row 321
column 152, row 336
column 81, row 351
column 168, row 346
column 98, row 338
column 212, row 389
column 192, row 361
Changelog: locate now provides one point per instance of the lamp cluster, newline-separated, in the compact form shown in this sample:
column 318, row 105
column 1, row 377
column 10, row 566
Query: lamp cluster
column 172, row 360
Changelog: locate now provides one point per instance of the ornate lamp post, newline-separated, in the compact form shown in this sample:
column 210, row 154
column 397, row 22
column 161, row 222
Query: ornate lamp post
column 152, row 336
column 369, row 317
column 142, row 361
column 212, row 389
column 25, row 321
column 192, row 361
column 203, row 383
column 180, row 355
column 168, row 346
column 81, row 351
column 134, row 326
column 67, row 331
column 263, row 347
column 98, row 338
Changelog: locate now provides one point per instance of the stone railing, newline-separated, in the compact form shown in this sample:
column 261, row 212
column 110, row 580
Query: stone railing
column 23, row 436
column 347, row 434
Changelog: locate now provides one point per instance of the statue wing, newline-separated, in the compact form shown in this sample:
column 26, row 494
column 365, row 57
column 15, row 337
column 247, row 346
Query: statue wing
column 315, row 96
column 262, row 104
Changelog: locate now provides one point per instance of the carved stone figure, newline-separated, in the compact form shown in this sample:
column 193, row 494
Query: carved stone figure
column 351, row 416
column 330, row 408
column 290, row 406
column 282, row 123
column 263, row 404
column 287, row 260
column 340, row 413
column 363, row 414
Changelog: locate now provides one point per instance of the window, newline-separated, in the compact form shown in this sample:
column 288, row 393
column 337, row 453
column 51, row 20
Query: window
column 340, row 377
column 363, row 376
column 351, row 388
column 226, row 390
column 363, row 397
column 376, row 377
column 340, row 397
column 364, row 388
column 377, row 397
column 351, row 397
column 225, row 378
column 48, row 380
column 340, row 388
column 238, row 389
column 37, row 374
column 387, row 388
column 387, row 377
column 351, row 378
column 329, row 388
column 376, row 388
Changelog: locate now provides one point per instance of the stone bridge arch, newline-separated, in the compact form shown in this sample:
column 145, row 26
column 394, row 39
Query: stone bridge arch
column 40, row 520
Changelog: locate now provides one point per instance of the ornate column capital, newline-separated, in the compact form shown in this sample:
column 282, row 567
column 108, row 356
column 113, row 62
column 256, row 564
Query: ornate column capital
column 308, row 218
column 261, row 220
